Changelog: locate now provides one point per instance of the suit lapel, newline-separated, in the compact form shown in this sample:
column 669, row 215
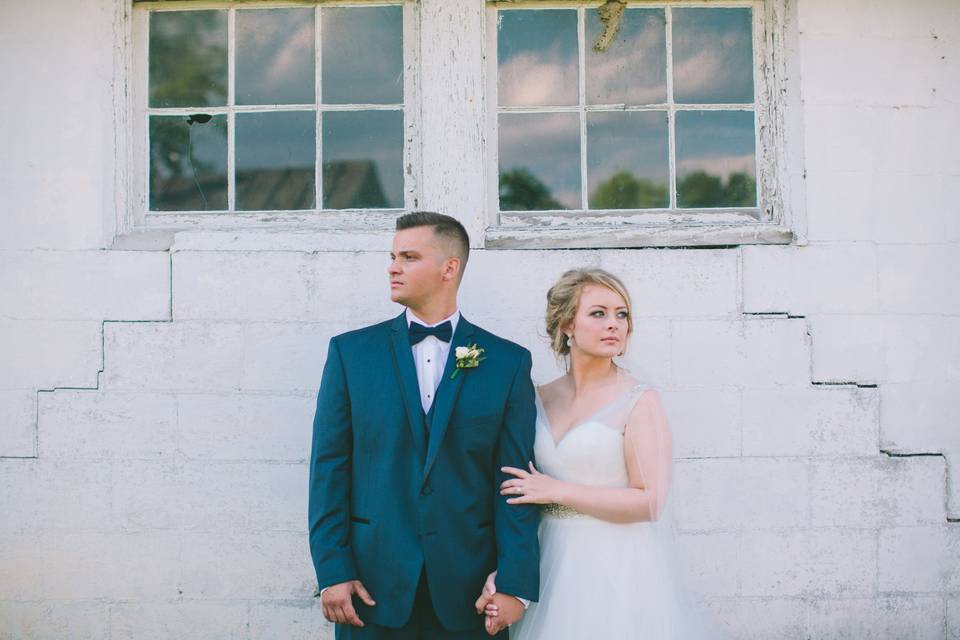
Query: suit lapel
column 447, row 393
column 407, row 375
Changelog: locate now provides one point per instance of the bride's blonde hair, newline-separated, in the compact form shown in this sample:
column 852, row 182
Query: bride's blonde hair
column 563, row 298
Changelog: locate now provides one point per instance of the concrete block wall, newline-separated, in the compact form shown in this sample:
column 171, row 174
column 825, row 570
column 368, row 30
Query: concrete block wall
column 155, row 406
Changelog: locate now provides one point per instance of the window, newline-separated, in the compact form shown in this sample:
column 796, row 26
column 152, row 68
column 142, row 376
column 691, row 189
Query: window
column 254, row 108
column 630, row 114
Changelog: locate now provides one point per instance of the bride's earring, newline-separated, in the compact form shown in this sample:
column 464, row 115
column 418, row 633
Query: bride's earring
column 569, row 340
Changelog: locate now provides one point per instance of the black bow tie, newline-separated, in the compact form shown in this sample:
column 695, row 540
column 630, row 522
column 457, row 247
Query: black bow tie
column 442, row 331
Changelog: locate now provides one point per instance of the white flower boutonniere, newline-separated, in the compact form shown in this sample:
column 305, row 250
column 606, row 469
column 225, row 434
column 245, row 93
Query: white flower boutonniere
column 468, row 357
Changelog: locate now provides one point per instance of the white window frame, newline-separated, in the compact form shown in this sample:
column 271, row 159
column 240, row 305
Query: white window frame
column 450, row 147
column 137, row 219
column 586, row 228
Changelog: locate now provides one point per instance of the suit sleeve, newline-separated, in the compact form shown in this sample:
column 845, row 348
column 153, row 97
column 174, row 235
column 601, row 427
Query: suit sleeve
column 328, row 516
column 518, row 551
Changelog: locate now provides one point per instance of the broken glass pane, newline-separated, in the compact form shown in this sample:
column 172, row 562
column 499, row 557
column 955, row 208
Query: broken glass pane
column 715, row 159
column 276, row 160
column 188, row 58
column 275, row 56
column 188, row 163
column 537, row 57
column 539, row 161
column 362, row 159
column 712, row 55
column 633, row 70
column 628, row 160
column 362, row 55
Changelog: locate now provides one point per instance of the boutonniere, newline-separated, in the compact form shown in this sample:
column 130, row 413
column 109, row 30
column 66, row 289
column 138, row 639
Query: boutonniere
column 468, row 357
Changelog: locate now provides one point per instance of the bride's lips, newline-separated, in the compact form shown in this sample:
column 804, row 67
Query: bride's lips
column 610, row 339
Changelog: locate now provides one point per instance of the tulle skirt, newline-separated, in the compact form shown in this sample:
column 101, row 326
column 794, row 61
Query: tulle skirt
column 610, row 581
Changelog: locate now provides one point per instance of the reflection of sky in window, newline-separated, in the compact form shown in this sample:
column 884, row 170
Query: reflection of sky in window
column 362, row 55
column 712, row 55
column 537, row 57
column 368, row 136
column 634, row 69
column 717, row 142
column 278, row 140
column 275, row 56
column 548, row 146
column 635, row 142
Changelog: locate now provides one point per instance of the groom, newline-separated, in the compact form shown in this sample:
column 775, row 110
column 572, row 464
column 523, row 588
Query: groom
column 405, row 515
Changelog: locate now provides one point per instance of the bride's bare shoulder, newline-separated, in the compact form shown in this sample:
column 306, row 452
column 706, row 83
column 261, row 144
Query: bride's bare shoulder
column 552, row 390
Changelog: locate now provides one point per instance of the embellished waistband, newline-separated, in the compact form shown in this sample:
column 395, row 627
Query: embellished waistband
column 560, row 511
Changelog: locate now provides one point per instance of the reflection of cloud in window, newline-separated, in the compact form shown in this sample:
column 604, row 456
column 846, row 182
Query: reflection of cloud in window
column 633, row 70
column 291, row 55
column 275, row 56
column 537, row 57
column 712, row 51
column 717, row 165
column 362, row 55
column 538, row 79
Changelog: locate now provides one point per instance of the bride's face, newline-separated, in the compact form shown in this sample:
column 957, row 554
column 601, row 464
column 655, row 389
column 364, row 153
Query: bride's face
column 601, row 324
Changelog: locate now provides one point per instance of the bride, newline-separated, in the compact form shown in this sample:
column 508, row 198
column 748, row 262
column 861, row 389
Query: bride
column 603, row 446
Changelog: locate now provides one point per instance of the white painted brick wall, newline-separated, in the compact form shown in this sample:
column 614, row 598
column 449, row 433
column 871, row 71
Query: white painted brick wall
column 833, row 561
column 813, row 421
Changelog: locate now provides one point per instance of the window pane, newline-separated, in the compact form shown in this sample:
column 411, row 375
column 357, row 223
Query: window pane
column 715, row 159
column 188, row 58
column 188, row 163
column 628, row 160
column 276, row 160
column 275, row 56
column 362, row 159
column 633, row 70
column 712, row 56
column 537, row 57
column 362, row 55
column 539, row 161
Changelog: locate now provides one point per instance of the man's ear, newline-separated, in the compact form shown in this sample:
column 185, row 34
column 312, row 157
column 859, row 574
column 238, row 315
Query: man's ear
column 451, row 269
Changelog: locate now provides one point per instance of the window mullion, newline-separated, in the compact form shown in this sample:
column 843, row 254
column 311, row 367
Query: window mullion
column 318, row 117
column 671, row 111
column 582, row 101
column 231, row 116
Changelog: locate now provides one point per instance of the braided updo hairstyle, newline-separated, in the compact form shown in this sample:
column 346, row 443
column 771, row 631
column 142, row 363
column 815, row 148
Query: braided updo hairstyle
column 563, row 298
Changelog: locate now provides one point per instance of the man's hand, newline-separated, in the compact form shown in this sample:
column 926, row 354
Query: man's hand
column 502, row 611
column 338, row 602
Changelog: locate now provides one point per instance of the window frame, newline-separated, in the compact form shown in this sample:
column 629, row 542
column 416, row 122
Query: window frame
column 586, row 228
column 136, row 215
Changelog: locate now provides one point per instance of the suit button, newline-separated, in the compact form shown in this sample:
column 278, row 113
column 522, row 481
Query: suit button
column 427, row 490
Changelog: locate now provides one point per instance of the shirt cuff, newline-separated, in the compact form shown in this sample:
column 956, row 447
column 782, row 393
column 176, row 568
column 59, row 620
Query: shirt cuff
column 523, row 601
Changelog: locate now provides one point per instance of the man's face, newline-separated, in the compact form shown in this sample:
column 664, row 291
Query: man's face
column 416, row 266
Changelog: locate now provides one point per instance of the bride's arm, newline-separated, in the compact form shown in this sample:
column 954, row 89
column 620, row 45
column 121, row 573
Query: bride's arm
column 648, row 457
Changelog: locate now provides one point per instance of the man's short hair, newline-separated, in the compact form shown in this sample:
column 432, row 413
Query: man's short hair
column 444, row 227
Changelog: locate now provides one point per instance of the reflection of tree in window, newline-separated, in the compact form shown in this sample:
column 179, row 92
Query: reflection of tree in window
column 188, row 58
column 701, row 189
column 520, row 190
column 623, row 190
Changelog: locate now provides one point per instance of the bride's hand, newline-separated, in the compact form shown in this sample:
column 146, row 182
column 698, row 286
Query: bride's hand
column 486, row 596
column 529, row 487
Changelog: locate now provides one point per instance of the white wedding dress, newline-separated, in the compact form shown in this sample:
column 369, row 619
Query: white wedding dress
column 600, row 579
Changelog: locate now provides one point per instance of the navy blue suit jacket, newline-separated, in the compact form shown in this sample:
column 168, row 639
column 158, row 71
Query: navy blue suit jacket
column 384, row 504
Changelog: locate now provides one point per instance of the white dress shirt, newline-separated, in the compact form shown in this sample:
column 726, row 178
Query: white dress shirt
column 430, row 356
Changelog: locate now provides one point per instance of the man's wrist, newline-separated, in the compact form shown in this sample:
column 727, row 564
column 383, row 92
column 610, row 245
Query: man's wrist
column 523, row 601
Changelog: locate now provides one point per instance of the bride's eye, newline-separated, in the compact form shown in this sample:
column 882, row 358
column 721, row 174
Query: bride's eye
column 623, row 315
column 597, row 314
